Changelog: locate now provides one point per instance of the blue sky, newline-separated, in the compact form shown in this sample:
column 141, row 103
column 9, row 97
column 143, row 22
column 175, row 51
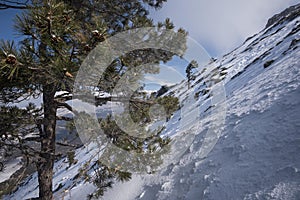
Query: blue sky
column 216, row 26
column 6, row 24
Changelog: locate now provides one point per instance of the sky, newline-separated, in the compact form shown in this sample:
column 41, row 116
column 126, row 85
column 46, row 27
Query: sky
column 218, row 25
column 215, row 28
column 221, row 25
column 6, row 23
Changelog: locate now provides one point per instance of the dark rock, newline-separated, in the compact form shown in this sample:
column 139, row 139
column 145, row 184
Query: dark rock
column 162, row 90
column 287, row 15
column 268, row 63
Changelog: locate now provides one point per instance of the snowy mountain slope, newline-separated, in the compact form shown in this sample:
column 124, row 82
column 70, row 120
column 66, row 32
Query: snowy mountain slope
column 253, row 154
column 257, row 154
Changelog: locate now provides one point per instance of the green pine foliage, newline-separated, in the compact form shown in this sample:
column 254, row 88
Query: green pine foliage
column 16, row 123
column 56, row 36
column 189, row 74
column 71, row 158
column 170, row 104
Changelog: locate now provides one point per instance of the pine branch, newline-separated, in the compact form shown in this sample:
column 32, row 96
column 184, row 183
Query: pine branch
column 64, row 118
column 38, row 123
column 64, row 105
column 67, row 106
column 6, row 4
column 25, row 149
column 34, row 139
column 126, row 99
column 68, row 145
column 63, row 97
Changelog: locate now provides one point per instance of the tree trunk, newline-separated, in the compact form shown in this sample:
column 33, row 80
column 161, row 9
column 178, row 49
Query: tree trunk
column 46, row 163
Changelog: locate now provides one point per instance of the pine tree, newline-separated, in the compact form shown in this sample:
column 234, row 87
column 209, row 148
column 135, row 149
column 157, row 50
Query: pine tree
column 192, row 65
column 56, row 37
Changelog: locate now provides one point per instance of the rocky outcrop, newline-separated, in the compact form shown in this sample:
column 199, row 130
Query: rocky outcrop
column 287, row 15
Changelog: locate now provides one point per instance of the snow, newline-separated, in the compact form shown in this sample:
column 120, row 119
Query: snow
column 10, row 167
column 128, row 190
column 257, row 153
column 62, row 93
column 64, row 175
column 101, row 111
column 240, row 140
column 101, row 94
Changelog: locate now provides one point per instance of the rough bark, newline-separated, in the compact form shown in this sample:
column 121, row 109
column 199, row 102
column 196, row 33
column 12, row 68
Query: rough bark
column 45, row 164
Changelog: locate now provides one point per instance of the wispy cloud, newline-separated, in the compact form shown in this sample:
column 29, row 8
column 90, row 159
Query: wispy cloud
column 221, row 25
column 168, row 76
column 153, row 79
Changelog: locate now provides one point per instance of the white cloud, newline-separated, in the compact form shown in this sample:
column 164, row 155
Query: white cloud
column 159, row 81
column 221, row 25
column 167, row 76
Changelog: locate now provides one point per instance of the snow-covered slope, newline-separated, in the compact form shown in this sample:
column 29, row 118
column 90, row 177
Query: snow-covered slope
column 253, row 154
column 257, row 155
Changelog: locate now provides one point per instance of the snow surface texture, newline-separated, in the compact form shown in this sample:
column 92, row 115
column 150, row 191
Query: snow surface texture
column 10, row 168
column 256, row 155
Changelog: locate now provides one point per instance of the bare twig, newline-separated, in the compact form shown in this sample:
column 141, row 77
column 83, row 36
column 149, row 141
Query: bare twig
column 64, row 105
column 64, row 118
column 6, row 4
column 68, row 145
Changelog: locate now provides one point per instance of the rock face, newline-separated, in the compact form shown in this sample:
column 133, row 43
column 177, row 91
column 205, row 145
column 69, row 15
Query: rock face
column 287, row 15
